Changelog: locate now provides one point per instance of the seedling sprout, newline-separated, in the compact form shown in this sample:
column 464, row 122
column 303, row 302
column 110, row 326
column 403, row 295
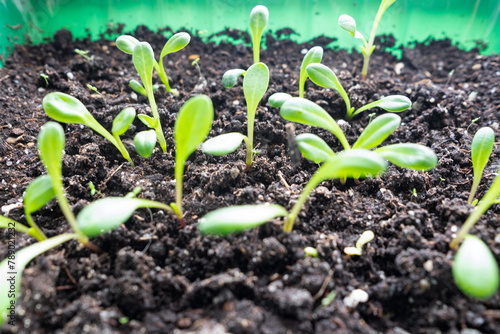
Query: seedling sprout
column 85, row 54
column 67, row 109
column 481, row 148
column 365, row 238
column 348, row 23
column 311, row 251
column 46, row 78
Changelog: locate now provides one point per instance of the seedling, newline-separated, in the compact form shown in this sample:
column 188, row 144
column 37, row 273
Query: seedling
column 137, row 87
column 93, row 88
column 196, row 63
column 353, row 163
column 413, row 156
column 85, row 54
column 255, row 86
column 365, row 238
column 46, row 78
column 490, row 198
column 95, row 219
column 475, row 269
column 348, row 23
column 93, row 190
column 67, row 109
column 311, row 251
column 177, row 42
column 313, row 56
column 145, row 142
column 191, row 127
column 481, row 148
column 259, row 17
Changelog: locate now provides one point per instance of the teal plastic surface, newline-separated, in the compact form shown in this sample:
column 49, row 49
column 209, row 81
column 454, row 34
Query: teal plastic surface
column 469, row 23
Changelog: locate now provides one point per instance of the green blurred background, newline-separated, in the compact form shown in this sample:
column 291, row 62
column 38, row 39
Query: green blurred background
column 468, row 23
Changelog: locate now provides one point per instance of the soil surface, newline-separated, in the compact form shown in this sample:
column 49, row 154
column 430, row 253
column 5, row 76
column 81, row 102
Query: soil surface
column 153, row 276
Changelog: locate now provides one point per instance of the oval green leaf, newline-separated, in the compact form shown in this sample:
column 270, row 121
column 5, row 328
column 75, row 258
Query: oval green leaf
column 413, row 156
column 475, row 269
column 137, row 87
column 393, row 103
column 354, row 163
column 126, row 43
column 108, row 213
column 51, row 142
column 255, row 85
column 306, row 112
column 175, row 43
column 123, row 120
column 259, row 16
column 347, row 23
column 223, row 144
column 10, row 279
column 277, row 99
column 66, row 108
column 239, row 218
column 192, row 126
column 314, row 55
column 377, row 131
column 148, row 120
column 481, row 148
column 314, row 148
column 38, row 193
column 143, row 58
column 145, row 142
column 323, row 76
column 230, row 78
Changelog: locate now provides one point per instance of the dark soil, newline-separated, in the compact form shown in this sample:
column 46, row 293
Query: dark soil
column 155, row 277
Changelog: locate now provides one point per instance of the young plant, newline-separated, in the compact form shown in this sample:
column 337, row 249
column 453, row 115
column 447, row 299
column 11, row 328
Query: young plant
column 481, row 148
column 85, row 54
column 191, row 127
column 365, row 238
column 323, row 76
column 46, row 78
column 348, row 23
column 353, row 163
column 95, row 219
column 67, row 109
column 413, row 156
column 177, row 42
column 259, row 17
column 255, row 86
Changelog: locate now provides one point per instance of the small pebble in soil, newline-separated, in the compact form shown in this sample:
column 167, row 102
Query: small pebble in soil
column 357, row 296
column 70, row 76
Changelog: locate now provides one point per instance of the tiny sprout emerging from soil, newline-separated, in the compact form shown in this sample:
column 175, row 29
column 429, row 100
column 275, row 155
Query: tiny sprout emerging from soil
column 259, row 17
column 85, row 54
column 349, row 24
column 475, row 269
column 93, row 190
column 145, row 142
column 328, row 299
column 177, row 42
column 353, row 163
column 365, row 238
column 323, row 76
column 481, row 148
column 406, row 155
column 94, row 89
column 46, row 78
column 255, row 86
column 311, row 251
column 67, row 109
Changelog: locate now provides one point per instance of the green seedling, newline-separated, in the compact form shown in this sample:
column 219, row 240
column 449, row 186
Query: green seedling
column 145, row 142
column 365, row 238
column 95, row 219
column 314, row 55
column 177, row 42
column 94, row 89
column 143, row 59
column 85, row 54
column 475, row 269
column 259, row 17
column 348, row 23
column 255, row 86
column 323, row 76
column 196, row 63
column 191, row 127
column 93, row 190
column 413, row 156
column 67, row 109
column 352, row 163
column 490, row 198
column 481, row 148
column 311, row 251
column 137, row 87
column 46, row 78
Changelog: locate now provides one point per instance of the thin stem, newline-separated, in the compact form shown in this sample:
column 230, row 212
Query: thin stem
column 249, row 147
column 7, row 223
column 475, row 184
column 156, row 116
column 161, row 73
column 35, row 231
column 122, row 149
column 179, row 172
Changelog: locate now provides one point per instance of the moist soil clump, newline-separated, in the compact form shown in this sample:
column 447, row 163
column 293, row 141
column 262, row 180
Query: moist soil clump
column 154, row 276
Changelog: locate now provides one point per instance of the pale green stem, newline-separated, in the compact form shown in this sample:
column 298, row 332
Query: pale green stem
column 249, row 157
column 256, row 49
column 488, row 199
column 475, row 184
column 6, row 222
column 35, row 231
column 156, row 116
column 179, row 172
column 161, row 73
column 313, row 183
column 123, row 150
